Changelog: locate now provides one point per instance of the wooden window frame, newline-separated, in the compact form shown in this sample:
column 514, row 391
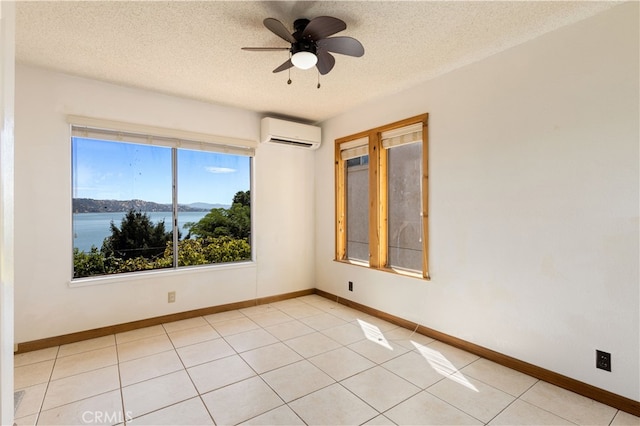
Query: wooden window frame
column 378, row 199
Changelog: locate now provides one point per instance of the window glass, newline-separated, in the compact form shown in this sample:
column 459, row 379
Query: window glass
column 122, row 211
column 405, row 206
column 357, row 185
column 220, row 185
column 123, row 207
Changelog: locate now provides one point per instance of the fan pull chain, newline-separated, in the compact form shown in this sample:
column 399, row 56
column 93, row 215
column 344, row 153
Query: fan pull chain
column 318, row 79
column 289, row 70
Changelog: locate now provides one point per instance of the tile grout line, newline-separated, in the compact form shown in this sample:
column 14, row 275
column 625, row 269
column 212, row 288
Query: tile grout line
column 339, row 382
column 236, row 353
column 286, row 403
column 259, row 375
column 133, row 359
column 124, row 412
column 323, row 310
column 457, row 408
column 239, row 354
column 65, row 377
column 175, row 350
column 44, row 396
column 421, row 389
column 48, row 381
column 304, row 358
column 542, row 408
column 251, row 367
column 206, row 407
column 503, row 410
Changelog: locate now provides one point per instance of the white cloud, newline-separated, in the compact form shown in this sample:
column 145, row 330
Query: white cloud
column 213, row 169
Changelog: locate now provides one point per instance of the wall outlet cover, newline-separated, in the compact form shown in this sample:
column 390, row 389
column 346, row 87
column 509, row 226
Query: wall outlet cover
column 603, row 360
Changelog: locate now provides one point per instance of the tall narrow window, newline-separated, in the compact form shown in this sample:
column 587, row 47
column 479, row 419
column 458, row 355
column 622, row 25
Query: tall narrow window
column 381, row 197
column 357, row 182
column 354, row 181
column 139, row 199
column 403, row 148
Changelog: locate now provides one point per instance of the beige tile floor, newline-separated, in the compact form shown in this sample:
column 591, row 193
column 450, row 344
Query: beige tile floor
column 300, row 361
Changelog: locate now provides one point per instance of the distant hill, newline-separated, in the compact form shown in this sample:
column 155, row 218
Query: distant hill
column 207, row 206
column 89, row 205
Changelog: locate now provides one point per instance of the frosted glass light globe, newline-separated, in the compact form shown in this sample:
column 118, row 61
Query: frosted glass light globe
column 304, row 60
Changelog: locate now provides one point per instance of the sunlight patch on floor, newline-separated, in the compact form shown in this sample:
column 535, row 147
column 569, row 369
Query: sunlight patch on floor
column 443, row 366
column 374, row 334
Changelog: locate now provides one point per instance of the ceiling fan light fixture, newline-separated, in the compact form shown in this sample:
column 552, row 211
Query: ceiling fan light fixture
column 311, row 44
column 304, row 60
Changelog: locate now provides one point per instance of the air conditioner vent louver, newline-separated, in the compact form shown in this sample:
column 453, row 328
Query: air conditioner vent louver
column 273, row 130
column 294, row 143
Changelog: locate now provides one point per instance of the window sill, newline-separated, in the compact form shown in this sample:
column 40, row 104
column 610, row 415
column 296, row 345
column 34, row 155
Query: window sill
column 145, row 275
column 396, row 271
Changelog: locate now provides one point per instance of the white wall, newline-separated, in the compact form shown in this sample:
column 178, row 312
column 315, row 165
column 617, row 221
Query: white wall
column 534, row 202
column 7, row 85
column 45, row 304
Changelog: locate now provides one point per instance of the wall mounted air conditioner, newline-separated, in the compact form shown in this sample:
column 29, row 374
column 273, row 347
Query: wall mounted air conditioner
column 273, row 130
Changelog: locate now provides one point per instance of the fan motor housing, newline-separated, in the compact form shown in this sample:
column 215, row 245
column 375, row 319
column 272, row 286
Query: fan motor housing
column 303, row 46
column 300, row 24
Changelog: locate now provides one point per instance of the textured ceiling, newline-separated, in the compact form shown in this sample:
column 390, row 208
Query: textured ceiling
column 192, row 49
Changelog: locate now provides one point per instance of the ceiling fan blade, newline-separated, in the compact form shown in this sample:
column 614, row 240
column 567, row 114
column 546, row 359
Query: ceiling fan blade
column 265, row 49
column 323, row 26
column 285, row 66
column 278, row 29
column 343, row 45
column 326, row 61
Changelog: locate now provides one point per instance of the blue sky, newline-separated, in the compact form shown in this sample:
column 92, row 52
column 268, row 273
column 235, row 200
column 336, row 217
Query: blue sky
column 122, row 171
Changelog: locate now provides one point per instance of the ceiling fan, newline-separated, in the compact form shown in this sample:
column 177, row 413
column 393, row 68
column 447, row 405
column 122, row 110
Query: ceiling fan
column 311, row 44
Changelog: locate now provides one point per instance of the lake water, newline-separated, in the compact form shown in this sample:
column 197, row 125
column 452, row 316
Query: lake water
column 92, row 228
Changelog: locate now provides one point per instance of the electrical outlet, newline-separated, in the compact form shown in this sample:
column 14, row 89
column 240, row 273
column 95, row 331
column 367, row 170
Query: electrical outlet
column 171, row 298
column 603, row 360
column 350, row 285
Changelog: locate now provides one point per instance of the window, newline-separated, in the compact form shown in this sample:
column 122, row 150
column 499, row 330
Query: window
column 138, row 199
column 381, row 197
column 357, row 184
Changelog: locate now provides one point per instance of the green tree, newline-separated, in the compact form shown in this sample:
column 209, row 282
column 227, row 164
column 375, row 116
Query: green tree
column 233, row 222
column 226, row 249
column 136, row 237
column 204, row 251
column 242, row 198
column 190, row 253
column 88, row 264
